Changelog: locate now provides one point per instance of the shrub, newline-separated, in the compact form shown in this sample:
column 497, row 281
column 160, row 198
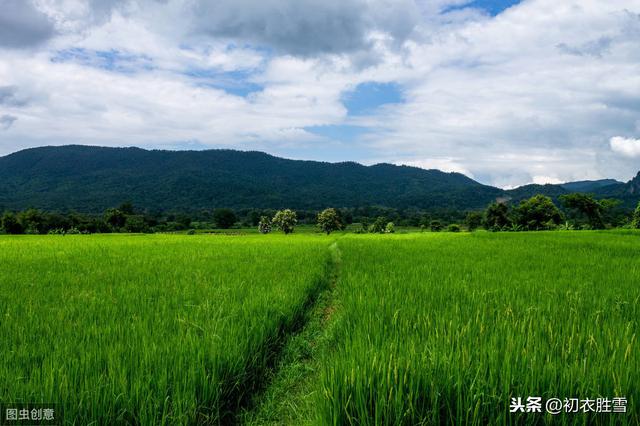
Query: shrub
column 436, row 226
column 390, row 228
column 377, row 227
column 454, row 228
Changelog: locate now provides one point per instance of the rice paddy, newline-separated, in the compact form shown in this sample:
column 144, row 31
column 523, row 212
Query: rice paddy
column 432, row 328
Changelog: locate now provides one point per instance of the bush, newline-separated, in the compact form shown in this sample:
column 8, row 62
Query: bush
column 453, row 228
column 191, row 232
column 377, row 227
column 436, row 226
column 390, row 228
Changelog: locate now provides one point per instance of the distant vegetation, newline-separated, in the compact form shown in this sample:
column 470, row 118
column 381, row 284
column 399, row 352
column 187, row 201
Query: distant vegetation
column 576, row 211
column 91, row 179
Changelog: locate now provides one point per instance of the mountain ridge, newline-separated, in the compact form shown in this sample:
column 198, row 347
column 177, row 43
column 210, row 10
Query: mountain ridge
column 90, row 179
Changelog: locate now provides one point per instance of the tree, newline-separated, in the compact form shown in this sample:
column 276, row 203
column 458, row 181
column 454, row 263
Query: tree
column 135, row 224
column 127, row 208
column 587, row 206
column 264, row 225
column 377, row 227
column 224, row 218
column 390, row 228
column 115, row 218
column 473, row 220
column 329, row 221
column 496, row 217
column 635, row 222
column 32, row 221
column 538, row 213
column 10, row 224
column 454, row 228
column 285, row 220
column 436, row 226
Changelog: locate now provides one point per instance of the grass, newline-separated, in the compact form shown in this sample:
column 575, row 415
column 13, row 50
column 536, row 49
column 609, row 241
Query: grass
column 422, row 328
column 447, row 328
column 148, row 329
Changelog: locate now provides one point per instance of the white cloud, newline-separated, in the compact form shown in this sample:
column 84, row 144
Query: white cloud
column 443, row 164
column 544, row 180
column 531, row 95
column 625, row 146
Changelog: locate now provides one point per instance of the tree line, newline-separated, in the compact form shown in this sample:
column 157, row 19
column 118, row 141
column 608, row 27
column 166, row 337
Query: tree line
column 576, row 211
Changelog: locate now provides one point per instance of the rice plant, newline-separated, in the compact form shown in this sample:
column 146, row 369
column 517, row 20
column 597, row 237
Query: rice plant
column 148, row 329
column 447, row 328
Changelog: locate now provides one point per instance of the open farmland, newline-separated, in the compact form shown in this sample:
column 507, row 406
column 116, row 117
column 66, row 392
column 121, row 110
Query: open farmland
column 430, row 328
column 148, row 329
column 447, row 328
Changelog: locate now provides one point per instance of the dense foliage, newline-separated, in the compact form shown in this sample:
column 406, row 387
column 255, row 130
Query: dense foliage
column 92, row 179
column 329, row 221
column 285, row 220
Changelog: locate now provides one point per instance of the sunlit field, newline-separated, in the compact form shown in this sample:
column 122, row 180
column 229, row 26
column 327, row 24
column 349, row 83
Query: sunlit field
column 447, row 328
column 148, row 329
column 421, row 328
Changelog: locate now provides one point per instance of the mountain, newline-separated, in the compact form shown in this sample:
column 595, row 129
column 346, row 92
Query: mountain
column 91, row 179
column 628, row 193
column 589, row 185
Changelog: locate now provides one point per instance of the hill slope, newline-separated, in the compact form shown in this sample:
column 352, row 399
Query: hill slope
column 90, row 179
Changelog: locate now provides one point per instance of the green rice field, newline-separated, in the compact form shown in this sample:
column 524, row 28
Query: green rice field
column 413, row 329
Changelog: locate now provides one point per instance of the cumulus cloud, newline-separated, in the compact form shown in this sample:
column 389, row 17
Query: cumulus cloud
column 625, row 146
column 22, row 24
column 530, row 95
column 306, row 27
column 443, row 164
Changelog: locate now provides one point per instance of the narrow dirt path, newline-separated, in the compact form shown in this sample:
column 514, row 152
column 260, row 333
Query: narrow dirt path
column 289, row 399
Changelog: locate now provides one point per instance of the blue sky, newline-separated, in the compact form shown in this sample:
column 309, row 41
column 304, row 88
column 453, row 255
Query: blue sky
column 369, row 96
column 506, row 92
column 492, row 7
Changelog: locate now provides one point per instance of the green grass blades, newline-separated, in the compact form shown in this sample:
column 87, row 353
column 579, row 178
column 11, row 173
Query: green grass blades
column 445, row 328
column 149, row 329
